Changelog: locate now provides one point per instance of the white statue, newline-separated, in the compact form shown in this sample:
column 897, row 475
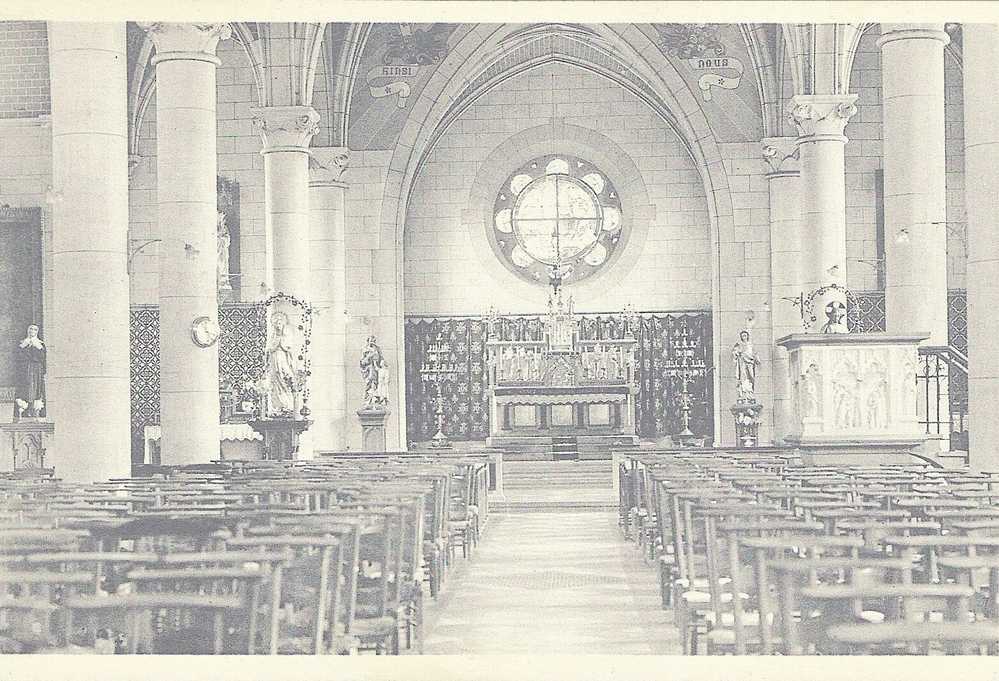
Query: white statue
column 372, row 367
column 282, row 375
column 746, row 361
column 224, row 239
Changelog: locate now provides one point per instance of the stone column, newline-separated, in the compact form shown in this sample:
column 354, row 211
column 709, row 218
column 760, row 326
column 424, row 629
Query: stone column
column 981, row 148
column 821, row 120
column 89, row 372
column 186, row 166
column 912, row 96
column 328, row 272
column 286, row 132
column 781, row 154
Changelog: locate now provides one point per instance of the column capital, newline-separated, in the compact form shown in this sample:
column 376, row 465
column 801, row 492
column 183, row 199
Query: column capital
column 821, row 117
column 196, row 42
column 327, row 165
column 892, row 32
column 286, row 128
column 781, row 154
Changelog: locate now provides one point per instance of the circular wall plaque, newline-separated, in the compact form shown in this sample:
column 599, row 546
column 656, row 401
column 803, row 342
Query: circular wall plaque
column 204, row 332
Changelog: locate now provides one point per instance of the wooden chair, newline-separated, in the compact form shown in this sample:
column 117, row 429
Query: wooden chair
column 29, row 603
column 803, row 631
column 310, row 590
column 908, row 606
column 769, row 548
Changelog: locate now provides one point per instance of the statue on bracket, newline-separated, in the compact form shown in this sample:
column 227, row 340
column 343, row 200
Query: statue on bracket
column 746, row 361
column 374, row 369
column 224, row 240
column 30, row 398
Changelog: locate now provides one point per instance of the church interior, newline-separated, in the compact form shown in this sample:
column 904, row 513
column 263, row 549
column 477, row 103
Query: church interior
column 498, row 338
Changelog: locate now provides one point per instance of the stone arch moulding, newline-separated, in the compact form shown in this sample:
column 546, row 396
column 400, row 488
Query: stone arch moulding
column 638, row 213
column 683, row 106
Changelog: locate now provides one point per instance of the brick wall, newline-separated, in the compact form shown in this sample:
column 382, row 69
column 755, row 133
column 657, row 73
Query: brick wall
column 24, row 69
column 443, row 271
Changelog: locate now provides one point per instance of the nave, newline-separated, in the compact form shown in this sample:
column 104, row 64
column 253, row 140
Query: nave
column 552, row 583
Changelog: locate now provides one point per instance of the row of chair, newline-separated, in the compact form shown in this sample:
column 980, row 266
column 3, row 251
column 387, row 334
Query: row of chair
column 759, row 554
column 327, row 556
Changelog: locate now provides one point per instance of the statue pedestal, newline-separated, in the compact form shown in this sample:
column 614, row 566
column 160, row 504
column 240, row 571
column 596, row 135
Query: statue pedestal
column 281, row 437
column 747, row 423
column 372, row 428
column 29, row 439
column 853, row 396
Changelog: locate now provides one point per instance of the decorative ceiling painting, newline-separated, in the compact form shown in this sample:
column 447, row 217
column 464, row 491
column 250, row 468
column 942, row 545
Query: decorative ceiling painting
column 397, row 63
column 713, row 60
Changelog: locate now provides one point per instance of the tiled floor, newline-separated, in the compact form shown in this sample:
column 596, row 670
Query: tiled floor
column 551, row 583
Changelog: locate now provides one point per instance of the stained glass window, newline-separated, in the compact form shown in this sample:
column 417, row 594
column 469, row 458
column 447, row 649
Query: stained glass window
column 557, row 204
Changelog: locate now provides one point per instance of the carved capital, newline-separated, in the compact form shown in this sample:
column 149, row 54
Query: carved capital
column 821, row 116
column 893, row 32
column 286, row 128
column 195, row 42
column 781, row 154
column 328, row 164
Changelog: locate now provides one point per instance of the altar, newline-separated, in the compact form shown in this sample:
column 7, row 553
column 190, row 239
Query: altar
column 560, row 386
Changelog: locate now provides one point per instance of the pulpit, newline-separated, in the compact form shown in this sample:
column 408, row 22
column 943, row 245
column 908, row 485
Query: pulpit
column 853, row 396
column 560, row 386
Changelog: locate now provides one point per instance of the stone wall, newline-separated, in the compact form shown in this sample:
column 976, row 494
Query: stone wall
column 450, row 267
column 24, row 74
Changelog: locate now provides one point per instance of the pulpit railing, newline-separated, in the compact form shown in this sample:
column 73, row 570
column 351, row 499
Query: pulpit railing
column 942, row 391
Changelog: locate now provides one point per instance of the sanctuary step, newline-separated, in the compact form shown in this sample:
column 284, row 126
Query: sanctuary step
column 556, row 486
column 565, row 448
column 551, row 448
column 540, row 474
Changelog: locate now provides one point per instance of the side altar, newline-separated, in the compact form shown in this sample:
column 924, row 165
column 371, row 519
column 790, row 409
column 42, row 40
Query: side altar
column 561, row 386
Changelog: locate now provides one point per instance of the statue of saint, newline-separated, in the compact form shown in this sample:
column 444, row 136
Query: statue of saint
column 30, row 398
column 746, row 361
column 282, row 376
column 223, row 241
column 371, row 361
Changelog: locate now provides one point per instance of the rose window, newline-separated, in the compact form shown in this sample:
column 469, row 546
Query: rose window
column 559, row 212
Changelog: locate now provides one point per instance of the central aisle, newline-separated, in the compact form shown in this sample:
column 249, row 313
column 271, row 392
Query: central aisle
column 551, row 583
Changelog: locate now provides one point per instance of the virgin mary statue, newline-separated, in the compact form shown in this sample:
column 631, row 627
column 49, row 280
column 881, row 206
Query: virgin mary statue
column 282, row 377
